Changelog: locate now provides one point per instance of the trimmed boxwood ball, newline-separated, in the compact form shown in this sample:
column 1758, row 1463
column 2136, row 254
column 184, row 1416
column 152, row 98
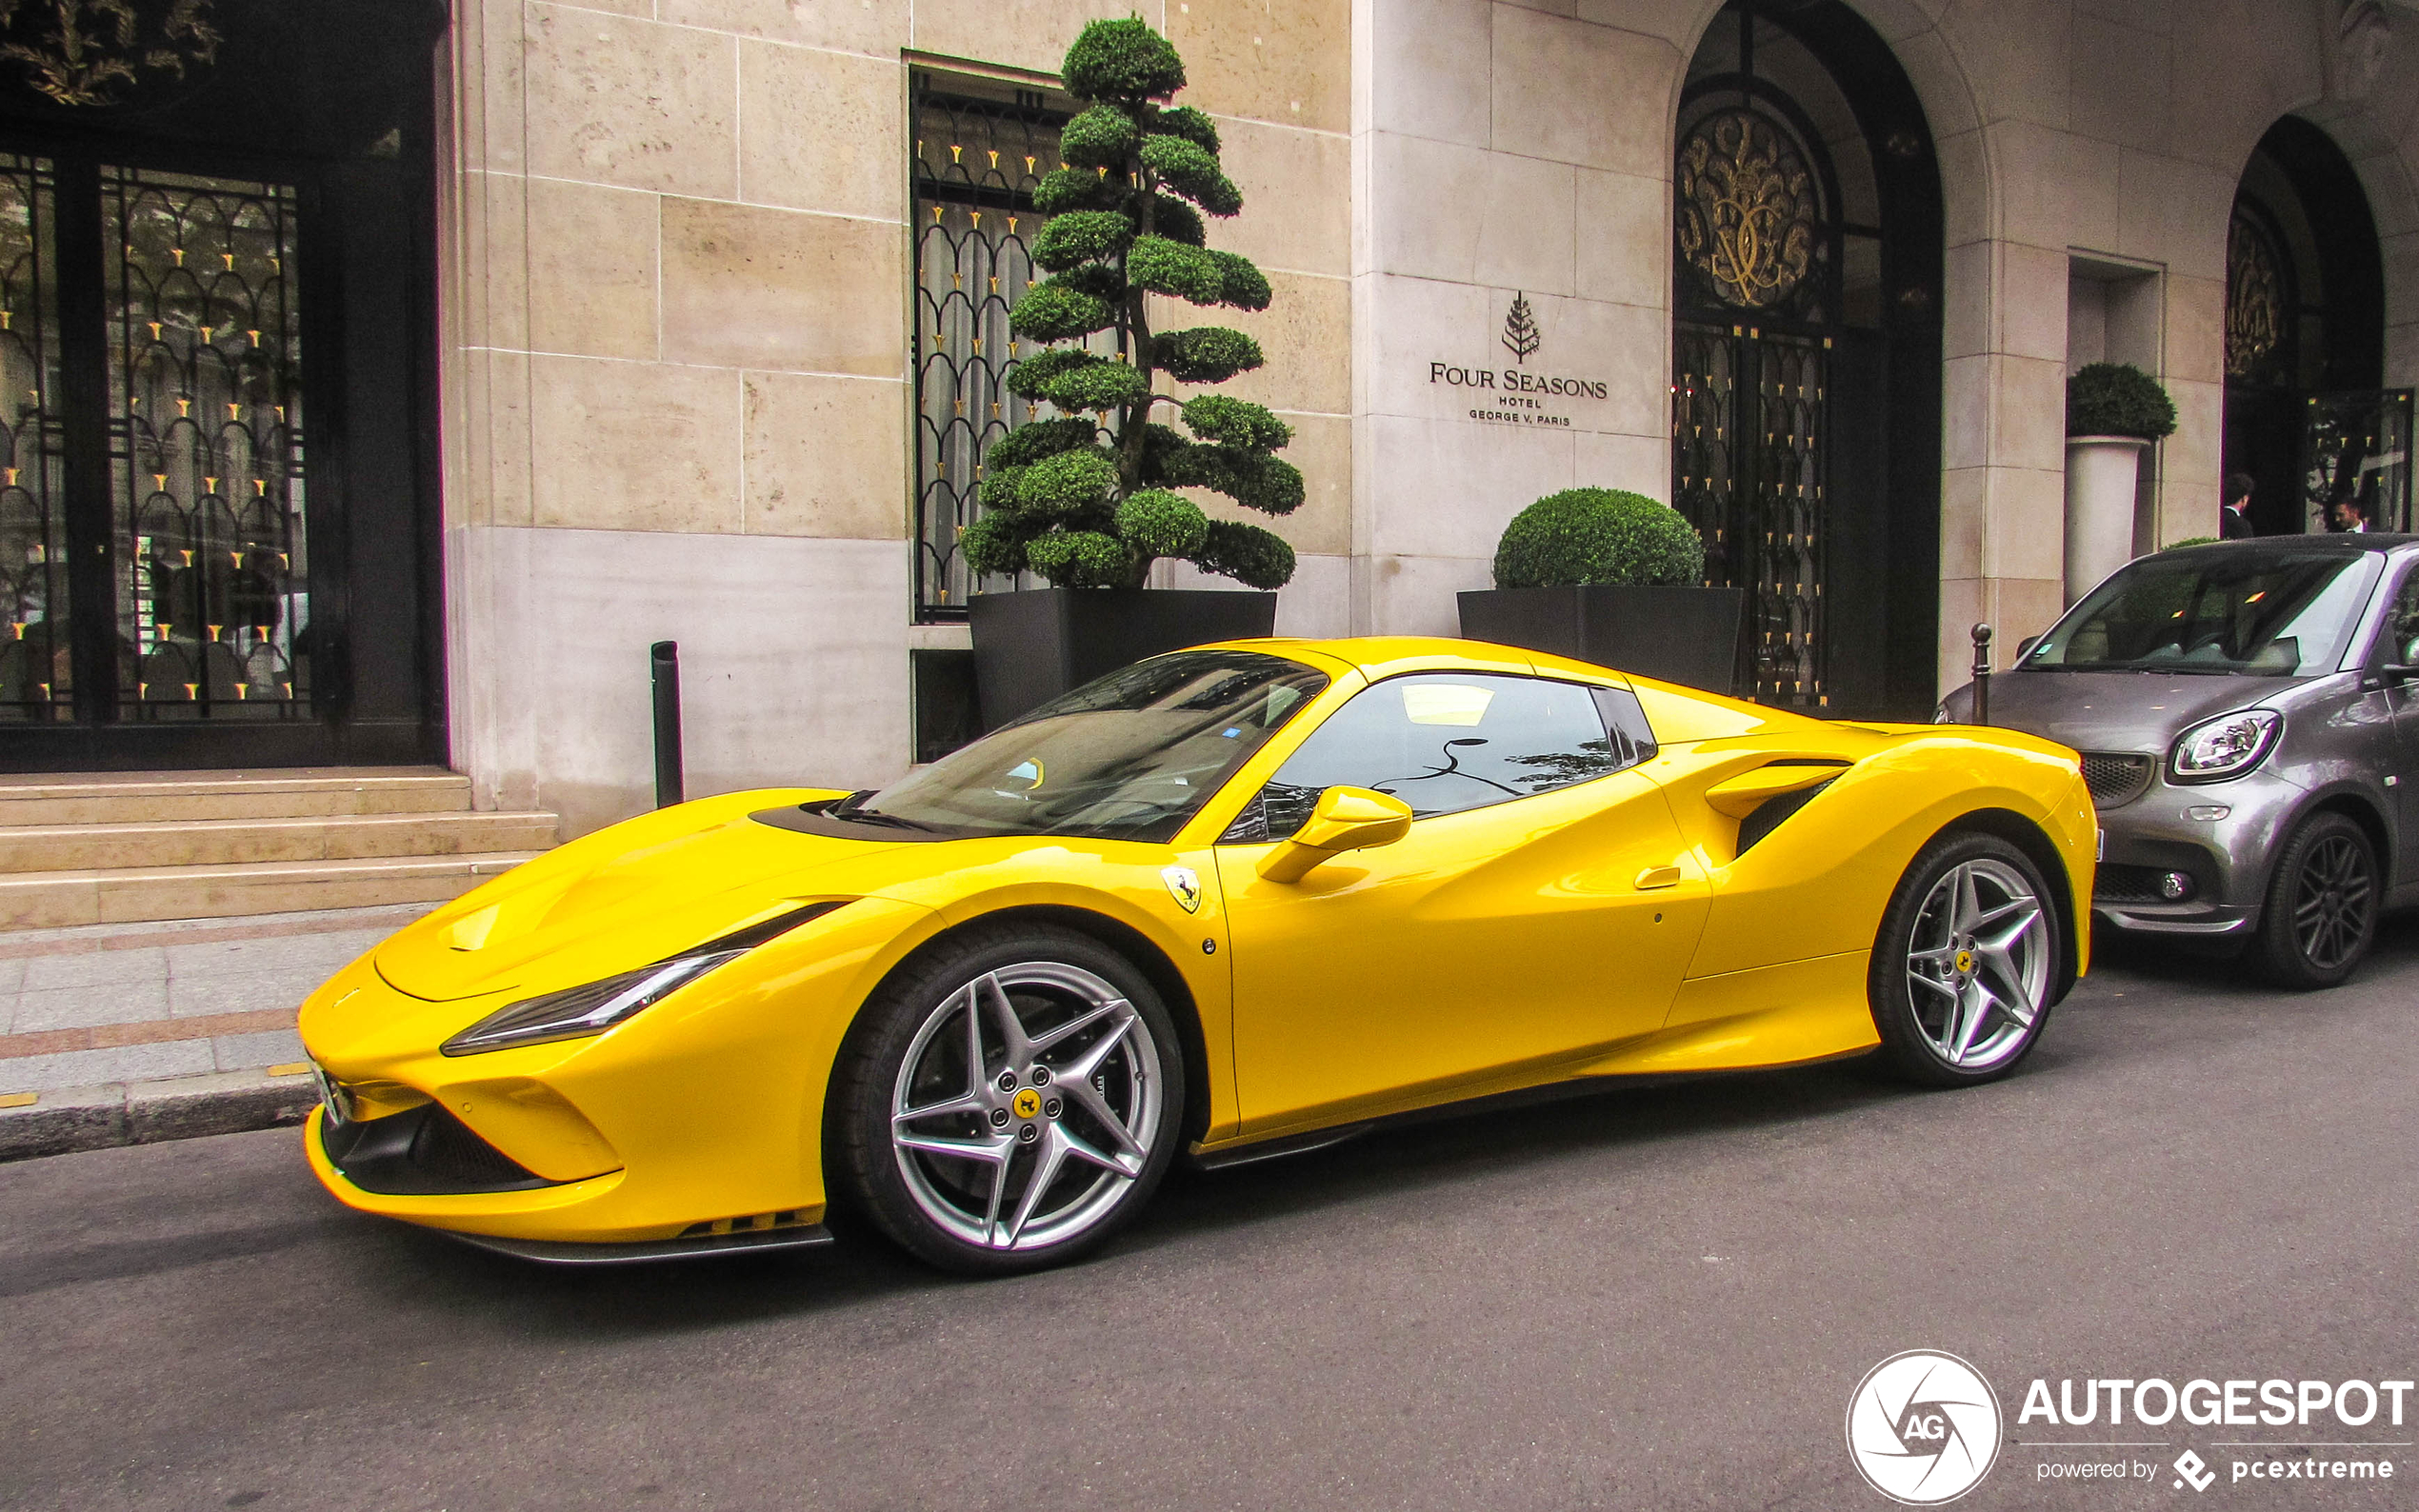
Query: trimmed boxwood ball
column 2190, row 540
column 1079, row 236
column 1096, row 138
column 1162, row 524
column 2118, row 399
column 1585, row 536
column 1086, row 504
column 1080, row 559
column 1123, row 61
column 1253, row 557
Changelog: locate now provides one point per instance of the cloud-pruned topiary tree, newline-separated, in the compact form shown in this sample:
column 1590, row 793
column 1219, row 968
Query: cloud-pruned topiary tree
column 1085, row 499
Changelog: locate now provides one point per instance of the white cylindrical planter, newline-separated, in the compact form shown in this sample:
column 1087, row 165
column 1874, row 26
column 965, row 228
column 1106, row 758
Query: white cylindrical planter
column 2102, row 475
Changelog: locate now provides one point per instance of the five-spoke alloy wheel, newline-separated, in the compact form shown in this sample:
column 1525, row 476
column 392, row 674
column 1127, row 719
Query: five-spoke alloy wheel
column 2321, row 910
column 1968, row 961
column 1006, row 1102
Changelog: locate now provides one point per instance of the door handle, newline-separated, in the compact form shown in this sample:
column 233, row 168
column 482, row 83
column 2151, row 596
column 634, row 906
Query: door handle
column 1658, row 877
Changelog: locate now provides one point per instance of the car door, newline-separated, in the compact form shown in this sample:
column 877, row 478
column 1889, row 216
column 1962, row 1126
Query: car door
column 1541, row 905
column 2398, row 645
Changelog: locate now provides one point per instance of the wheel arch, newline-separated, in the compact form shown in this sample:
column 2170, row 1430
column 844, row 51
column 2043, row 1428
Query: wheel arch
column 2355, row 806
column 1138, row 950
column 2028, row 837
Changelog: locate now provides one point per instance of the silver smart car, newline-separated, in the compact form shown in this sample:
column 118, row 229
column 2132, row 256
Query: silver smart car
column 2249, row 718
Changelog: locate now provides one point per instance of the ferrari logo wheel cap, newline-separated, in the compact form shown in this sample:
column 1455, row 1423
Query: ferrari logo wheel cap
column 1964, row 962
column 1183, row 887
column 1028, row 1103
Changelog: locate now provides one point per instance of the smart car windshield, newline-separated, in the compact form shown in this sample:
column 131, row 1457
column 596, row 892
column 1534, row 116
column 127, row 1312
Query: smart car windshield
column 1129, row 756
column 2244, row 613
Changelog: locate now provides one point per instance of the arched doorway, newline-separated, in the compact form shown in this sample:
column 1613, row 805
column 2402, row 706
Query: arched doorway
column 1807, row 353
column 2306, row 417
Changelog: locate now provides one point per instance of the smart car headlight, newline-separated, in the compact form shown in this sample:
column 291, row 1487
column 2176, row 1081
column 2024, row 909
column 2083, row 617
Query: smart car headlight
column 2225, row 746
column 593, row 1008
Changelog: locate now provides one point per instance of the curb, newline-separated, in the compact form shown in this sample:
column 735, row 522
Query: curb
column 96, row 1118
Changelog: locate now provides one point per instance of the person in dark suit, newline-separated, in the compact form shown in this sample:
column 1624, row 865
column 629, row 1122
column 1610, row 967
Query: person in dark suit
column 2234, row 521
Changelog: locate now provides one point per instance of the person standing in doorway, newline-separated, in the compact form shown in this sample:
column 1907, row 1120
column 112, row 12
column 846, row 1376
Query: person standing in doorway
column 2234, row 521
column 2344, row 516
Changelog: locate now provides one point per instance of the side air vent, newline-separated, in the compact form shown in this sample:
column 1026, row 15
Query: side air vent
column 422, row 1151
column 1769, row 814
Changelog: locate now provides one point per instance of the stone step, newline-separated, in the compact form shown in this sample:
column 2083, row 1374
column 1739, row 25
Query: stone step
column 133, row 798
column 35, row 900
column 229, row 842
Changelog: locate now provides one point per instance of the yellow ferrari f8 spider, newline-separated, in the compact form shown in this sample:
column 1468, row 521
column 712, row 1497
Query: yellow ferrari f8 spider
column 1228, row 902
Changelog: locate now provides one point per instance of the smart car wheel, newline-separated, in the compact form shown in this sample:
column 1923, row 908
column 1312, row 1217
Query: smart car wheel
column 1007, row 1103
column 2321, row 910
column 1964, row 962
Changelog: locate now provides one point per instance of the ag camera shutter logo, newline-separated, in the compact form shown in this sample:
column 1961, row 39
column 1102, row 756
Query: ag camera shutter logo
column 1924, row 1427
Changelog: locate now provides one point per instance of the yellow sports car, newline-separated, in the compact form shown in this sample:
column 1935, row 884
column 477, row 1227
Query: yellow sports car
column 1231, row 902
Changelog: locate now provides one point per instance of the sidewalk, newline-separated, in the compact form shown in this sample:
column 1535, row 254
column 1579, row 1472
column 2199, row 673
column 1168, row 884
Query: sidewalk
column 122, row 1034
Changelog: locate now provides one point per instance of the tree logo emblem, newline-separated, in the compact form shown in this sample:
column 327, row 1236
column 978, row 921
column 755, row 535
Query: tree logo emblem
column 1924, row 1427
column 1520, row 329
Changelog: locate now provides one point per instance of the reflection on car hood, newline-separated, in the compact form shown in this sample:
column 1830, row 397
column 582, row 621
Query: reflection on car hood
column 2121, row 712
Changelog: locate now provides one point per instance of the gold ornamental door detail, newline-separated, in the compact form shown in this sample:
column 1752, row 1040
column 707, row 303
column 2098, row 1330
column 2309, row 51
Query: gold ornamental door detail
column 1749, row 216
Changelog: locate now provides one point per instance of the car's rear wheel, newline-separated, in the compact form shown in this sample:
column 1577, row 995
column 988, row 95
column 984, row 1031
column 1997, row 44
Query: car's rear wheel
column 2321, row 910
column 1007, row 1101
column 1966, row 962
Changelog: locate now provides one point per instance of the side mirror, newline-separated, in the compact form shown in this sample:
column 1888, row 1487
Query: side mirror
column 1343, row 819
column 2398, row 672
column 2023, row 648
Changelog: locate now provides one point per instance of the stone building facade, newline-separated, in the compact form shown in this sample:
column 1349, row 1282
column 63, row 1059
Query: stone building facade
column 679, row 387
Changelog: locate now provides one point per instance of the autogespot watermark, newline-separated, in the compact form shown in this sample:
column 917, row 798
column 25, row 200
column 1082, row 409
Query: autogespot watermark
column 1924, row 1427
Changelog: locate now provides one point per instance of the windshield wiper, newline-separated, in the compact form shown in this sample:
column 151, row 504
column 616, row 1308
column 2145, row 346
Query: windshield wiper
column 852, row 809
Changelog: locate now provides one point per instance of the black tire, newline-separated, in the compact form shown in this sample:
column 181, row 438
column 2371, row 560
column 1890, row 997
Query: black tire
column 945, row 1208
column 1971, row 977
column 2320, row 913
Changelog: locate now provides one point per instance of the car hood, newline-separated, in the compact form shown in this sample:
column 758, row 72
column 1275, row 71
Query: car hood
column 2117, row 711
column 634, row 893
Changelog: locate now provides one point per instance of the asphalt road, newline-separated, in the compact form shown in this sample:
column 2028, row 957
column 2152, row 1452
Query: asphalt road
column 1650, row 1298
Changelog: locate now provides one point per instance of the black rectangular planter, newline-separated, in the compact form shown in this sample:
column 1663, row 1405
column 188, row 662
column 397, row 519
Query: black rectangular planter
column 1033, row 645
column 1684, row 635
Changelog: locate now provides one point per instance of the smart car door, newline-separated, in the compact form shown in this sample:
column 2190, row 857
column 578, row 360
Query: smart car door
column 2398, row 646
column 1540, row 906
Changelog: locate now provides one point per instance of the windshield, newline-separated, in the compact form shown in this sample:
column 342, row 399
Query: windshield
column 1129, row 756
column 2250, row 613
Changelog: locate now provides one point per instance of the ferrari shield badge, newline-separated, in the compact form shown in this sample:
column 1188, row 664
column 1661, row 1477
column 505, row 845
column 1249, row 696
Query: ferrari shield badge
column 1183, row 886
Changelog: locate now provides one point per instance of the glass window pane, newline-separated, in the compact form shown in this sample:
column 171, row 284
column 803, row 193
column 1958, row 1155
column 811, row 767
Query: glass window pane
column 1444, row 743
column 35, row 661
column 206, row 447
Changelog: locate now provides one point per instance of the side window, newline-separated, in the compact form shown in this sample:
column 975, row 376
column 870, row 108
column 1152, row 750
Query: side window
column 1443, row 742
column 2401, row 633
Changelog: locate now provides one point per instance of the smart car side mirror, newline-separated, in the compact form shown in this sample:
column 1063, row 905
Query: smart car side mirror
column 1343, row 819
column 2023, row 648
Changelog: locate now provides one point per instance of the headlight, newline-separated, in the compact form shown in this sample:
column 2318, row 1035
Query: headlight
column 577, row 1012
column 1940, row 716
column 2225, row 746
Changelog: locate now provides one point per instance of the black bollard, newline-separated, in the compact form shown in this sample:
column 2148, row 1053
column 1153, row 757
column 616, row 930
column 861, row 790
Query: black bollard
column 1982, row 674
column 663, row 659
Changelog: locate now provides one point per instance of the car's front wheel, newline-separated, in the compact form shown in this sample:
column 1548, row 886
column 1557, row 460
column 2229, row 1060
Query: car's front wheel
column 1966, row 962
column 1009, row 1101
column 2321, row 909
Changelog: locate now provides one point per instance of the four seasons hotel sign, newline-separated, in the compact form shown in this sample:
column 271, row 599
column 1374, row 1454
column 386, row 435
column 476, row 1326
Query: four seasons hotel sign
column 1517, row 394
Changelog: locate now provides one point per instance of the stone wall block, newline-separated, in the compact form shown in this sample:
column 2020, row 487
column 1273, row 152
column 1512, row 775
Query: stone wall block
column 1579, row 93
column 2020, row 54
column 1966, row 386
column 1432, row 73
column 2095, row 201
column 2175, row 212
column 2195, row 453
column 2032, row 301
column 1625, row 347
column 2122, row 85
column 1297, row 197
column 822, row 132
column 1322, row 449
column 2025, row 514
column 1448, row 488
column 1624, row 234
column 1963, row 515
column 635, row 445
column 490, row 391
column 825, row 456
column 2195, row 330
column 878, row 27
column 1942, row 84
column 1410, row 322
column 1306, row 333
column 1285, row 63
column 492, row 308
column 617, row 100
column 1968, row 204
column 2029, row 422
column 750, row 287
column 591, row 269
column 1019, row 33
column 2029, row 167
column 1415, row 595
column 1464, row 215
column 1966, row 300
column 490, row 83
column 1639, row 464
